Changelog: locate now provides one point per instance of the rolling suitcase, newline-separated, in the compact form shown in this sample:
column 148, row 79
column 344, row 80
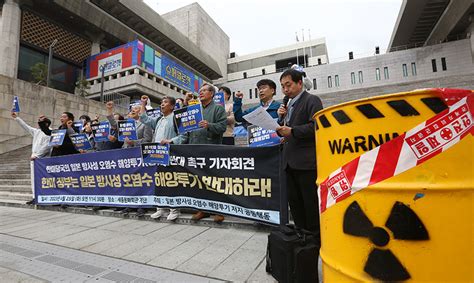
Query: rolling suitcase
column 292, row 255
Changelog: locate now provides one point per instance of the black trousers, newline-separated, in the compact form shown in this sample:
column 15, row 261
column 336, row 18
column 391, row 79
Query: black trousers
column 228, row 141
column 303, row 198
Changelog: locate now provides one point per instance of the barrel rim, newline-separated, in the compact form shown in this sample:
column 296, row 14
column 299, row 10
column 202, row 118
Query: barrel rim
column 378, row 97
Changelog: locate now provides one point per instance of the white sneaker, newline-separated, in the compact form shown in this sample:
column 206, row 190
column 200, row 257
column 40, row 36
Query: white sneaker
column 159, row 212
column 174, row 213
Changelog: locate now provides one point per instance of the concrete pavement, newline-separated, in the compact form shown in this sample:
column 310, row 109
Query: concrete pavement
column 43, row 245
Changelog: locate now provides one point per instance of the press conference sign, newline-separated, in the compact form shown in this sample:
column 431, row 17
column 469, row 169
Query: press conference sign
column 237, row 181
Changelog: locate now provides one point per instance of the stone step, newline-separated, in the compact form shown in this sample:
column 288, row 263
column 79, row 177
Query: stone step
column 11, row 175
column 15, row 160
column 16, row 196
column 15, row 182
column 18, row 200
column 18, row 171
column 14, row 169
column 12, row 202
column 13, row 172
column 8, row 164
column 15, row 188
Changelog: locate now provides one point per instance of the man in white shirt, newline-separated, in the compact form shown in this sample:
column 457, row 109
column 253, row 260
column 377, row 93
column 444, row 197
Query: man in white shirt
column 164, row 130
column 40, row 145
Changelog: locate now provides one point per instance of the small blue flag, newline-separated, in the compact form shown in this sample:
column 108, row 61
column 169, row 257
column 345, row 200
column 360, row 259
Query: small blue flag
column 16, row 105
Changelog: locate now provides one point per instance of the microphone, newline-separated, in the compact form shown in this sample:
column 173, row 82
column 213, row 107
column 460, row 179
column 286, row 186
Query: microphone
column 286, row 100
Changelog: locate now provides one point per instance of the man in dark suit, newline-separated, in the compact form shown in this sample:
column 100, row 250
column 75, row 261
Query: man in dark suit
column 299, row 152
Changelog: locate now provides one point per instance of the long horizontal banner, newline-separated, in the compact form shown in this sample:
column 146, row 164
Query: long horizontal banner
column 238, row 181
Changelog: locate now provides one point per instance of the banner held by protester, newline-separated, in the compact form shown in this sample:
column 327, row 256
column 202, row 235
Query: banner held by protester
column 57, row 137
column 237, row 181
column 155, row 153
column 188, row 118
column 258, row 136
column 79, row 125
column 127, row 129
column 154, row 113
column 219, row 98
column 101, row 131
column 80, row 141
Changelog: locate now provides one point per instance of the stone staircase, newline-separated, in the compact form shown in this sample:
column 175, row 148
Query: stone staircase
column 15, row 183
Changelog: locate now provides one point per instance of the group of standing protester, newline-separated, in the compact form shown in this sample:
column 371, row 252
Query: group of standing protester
column 296, row 131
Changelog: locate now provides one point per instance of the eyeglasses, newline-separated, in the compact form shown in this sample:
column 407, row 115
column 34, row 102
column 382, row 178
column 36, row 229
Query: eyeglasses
column 203, row 90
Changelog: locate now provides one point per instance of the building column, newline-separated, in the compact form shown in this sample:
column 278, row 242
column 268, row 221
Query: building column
column 10, row 38
column 96, row 40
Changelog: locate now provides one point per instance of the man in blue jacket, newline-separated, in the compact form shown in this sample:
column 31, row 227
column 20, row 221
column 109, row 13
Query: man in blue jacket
column 266, row 92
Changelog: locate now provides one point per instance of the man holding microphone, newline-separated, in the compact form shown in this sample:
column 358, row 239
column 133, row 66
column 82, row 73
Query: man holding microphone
column 299, row 152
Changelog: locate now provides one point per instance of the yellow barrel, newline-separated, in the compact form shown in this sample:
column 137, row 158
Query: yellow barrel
column 414, row 226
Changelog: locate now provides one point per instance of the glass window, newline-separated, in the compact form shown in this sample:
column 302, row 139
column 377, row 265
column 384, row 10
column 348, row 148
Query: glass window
column 245, row 75
column 63, row 74
column 263, row 71
column 250, row 93
column 405, row 70
column 319, row 61
column 353, row 78
column 385, row 73
column 433, row 64
column 329, row 82
column 443, row 63
column 377, row 74
column 413, row 68
column 315, row 86
column 361, row 78
column 336, row 80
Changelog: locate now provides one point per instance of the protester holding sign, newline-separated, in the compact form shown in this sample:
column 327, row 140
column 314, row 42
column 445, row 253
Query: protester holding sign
column 39, row 148
column 165, row 129
column 164, row 126
column 138, row 133
column 299, row 156
column 67, row 147
column 144, row 132
column 90, row 137
column 83, row 120
column 112, row 142
column 266, row 91
column 228, row 137
column 213, row 127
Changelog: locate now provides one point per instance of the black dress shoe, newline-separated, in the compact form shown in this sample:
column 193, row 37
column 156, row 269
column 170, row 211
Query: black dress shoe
column 140, row 212
column 33, row 201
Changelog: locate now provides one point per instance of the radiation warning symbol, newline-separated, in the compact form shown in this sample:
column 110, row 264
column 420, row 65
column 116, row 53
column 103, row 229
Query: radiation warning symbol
column 403, row 222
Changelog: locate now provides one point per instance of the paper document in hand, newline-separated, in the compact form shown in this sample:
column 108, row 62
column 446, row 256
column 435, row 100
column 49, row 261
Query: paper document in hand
column 260, row 117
